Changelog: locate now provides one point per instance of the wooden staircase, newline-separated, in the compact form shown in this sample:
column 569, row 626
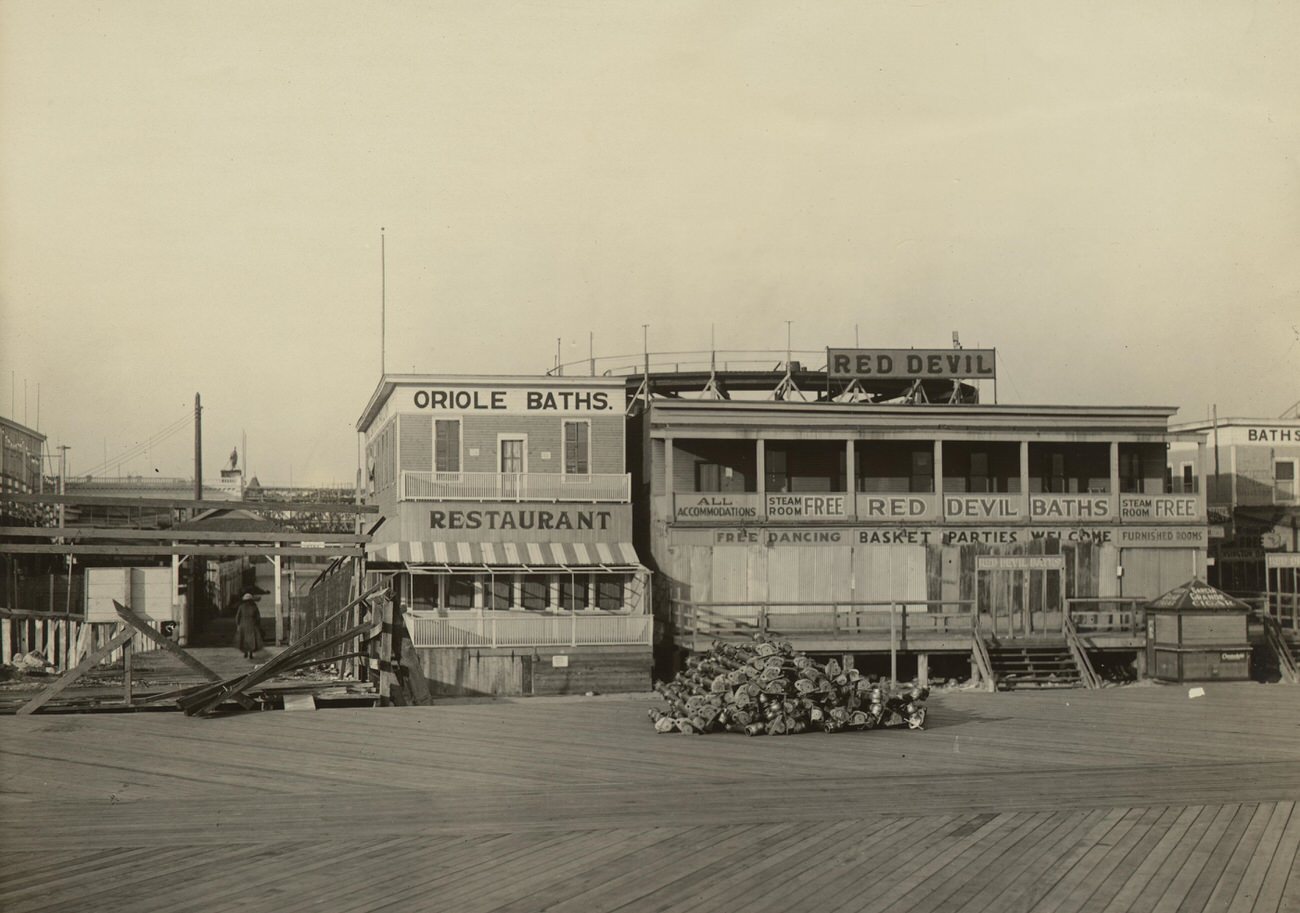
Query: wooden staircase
column 1286, row 647
column 1022, row 665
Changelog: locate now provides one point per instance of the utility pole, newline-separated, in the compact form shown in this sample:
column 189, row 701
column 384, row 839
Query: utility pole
column 63, row 475
column 198, row 448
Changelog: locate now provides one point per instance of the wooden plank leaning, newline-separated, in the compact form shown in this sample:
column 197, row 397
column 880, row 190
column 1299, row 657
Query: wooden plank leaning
column 162, row 640
column 210, row 697
column 68, row 678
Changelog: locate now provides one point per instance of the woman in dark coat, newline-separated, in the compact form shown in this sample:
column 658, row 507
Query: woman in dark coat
column 248, row 626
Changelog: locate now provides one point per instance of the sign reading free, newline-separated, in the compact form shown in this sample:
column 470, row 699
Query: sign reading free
column 807, row 506
column 910, row 364
column 1159, row 507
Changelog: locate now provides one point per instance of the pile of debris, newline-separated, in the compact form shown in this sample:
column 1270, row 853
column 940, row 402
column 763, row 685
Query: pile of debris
column 769, row 688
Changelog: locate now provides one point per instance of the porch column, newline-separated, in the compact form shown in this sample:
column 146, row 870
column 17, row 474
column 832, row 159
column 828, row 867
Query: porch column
column 1114, row 480
column 1202, row 472
column 182, row 619
column 761, row 473
column 668, row 478
column 279, row 613
column 1024, row 478
column 938, row 473
column 851, row 479
column 923, row 669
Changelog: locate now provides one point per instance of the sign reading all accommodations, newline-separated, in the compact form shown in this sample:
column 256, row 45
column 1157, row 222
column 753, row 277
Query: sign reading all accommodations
column 515, row 400
column 715, row 507
column 911, row 364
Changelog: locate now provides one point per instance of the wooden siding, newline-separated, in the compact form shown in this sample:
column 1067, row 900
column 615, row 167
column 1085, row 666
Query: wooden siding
column 416, row 435
column 545, row 436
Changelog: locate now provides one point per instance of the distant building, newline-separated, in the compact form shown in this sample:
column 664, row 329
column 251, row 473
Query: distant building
column 22, row 472
column 1253, row 488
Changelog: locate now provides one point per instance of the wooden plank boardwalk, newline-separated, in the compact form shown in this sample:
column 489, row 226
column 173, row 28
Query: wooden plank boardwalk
column 1133, row 799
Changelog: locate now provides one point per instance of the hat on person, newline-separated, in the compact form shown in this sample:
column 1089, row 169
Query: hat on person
column 249, row 594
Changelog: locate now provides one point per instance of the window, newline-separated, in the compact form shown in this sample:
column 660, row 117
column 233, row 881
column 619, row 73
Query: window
column 502, row 595
column 609, row 593
column 460, row 592
column 708, row 477
column 577, row 448
column 979, row 472
column 1186, row 478
column 575, row 592
column 922, row 470
column 1284, row 480
column 1130, row 471
column 446, row 445
column 424, row 592
column 536, row 593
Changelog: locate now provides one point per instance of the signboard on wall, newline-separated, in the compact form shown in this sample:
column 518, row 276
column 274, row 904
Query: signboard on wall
column 505, row 400
column 1159, row 507
column 1278, row 559
column 1069, row 507
column 1157, row 537
column 492, row 521
column 981, row 507
column 807, row 506
column 1019, row 562
column 911, row 364
column 1138, row 537
column 715, row 507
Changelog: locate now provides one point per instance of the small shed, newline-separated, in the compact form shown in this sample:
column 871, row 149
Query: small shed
column 1197, row 633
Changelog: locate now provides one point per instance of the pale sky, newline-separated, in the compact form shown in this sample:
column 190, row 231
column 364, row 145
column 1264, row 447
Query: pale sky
column 191, row 196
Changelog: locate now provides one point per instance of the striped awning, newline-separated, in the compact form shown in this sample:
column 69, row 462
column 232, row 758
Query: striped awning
column 479, row 555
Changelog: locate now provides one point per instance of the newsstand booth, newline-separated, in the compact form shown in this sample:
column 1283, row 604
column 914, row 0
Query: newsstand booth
column 1196, row 633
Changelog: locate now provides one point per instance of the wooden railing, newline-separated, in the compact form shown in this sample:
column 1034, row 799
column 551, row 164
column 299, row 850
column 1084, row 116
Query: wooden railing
column 528, row 629
column 59, row 637
column 515, row 486
column 1079, row 651
column 1278, row 644
column 897, row 620
column 983, row 662
column 1107, row 615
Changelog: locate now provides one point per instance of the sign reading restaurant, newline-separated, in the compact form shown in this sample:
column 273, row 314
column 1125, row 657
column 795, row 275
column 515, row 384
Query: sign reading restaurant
column 911, row 364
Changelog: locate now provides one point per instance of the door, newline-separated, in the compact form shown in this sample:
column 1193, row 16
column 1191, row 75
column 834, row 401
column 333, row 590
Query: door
column 1021, row 596
column 513, row 465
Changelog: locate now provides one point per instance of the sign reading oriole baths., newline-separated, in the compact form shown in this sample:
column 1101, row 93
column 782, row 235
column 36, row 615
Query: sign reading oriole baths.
column 515, row 400
column 911, row 364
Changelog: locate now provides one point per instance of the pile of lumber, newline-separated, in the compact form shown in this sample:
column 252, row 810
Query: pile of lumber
column 766, row 688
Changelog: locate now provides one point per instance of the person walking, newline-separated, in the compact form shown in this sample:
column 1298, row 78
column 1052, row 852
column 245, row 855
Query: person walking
column 248, row 626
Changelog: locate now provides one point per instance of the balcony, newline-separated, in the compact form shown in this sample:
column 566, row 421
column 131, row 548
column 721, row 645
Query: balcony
column 515, row 486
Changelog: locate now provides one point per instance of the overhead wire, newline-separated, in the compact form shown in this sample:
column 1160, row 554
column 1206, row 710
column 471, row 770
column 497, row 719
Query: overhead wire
column 143, row 446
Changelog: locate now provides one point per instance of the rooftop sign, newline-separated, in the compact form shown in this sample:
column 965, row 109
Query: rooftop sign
column 911, row 364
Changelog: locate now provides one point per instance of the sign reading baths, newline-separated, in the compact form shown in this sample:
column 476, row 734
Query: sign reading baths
column 909, row 364
column 507, row 400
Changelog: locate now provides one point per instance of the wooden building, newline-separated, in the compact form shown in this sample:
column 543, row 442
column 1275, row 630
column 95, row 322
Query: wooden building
column 506, row 529
column 857, row 527
column 1253, row 486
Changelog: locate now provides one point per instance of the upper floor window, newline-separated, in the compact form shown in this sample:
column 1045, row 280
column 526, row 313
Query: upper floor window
column 446, row 445
column 1284, row 481
column 577, row 448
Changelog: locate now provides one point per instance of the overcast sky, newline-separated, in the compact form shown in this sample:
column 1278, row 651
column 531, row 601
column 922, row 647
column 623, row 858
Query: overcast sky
column 191, row 196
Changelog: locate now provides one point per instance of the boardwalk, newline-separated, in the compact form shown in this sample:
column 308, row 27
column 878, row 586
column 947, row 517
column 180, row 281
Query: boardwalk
column 1137, row 799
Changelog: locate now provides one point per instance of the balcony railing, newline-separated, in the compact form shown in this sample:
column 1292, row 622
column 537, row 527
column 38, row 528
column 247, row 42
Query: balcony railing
column 515, row 486
column 529, row 629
